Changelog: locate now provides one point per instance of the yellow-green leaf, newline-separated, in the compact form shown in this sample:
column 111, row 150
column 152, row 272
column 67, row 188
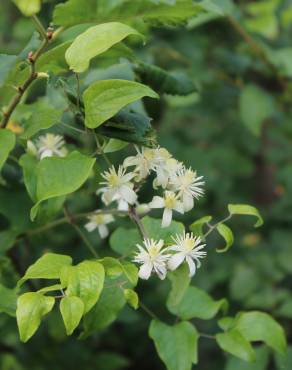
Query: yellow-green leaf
column 94, row 41
column 132, row 298
column 84, row 281
column 7, row 142
column 235, row 343
column 28, row 7
column 227, row 234
column 245, row 209
column 31, row 307
column 72, row 309
column 103, row 99
column 60, row 176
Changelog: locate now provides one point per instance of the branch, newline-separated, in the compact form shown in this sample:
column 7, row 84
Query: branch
column 32, row 58
column 136, row 219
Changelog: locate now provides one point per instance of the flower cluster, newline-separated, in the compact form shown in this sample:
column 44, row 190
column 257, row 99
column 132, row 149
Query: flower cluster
column 180, row 186
column 154, row 258
column 47, row 146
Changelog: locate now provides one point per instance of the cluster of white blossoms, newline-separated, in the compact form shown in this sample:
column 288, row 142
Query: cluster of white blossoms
column 180, row 185
column 48, row 145
column 154, row 258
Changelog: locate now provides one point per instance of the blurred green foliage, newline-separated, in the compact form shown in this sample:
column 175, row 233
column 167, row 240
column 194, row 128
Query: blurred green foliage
column 235, row 128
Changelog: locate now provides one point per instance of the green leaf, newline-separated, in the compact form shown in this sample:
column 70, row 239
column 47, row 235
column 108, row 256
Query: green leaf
column 245, row 209
column 259, row 326
column 51, row 288
column 85, row 281
column 153, row 12
column 176, row 345
column 227, row 234
column 163, row 81
column 256, row 105
column 114, row 145
column 180, row 280
column 197, row 303
column 197, row 226
column 123, row 241
column 53, row 60
column 235, row 343
column 106, row 310
column 6, row 63
column 155, row 231
column 103, row 99
column 7, row 143
column 284, row 362
column 31, row 307
column 43, row 116
column 49, row 266
column 70, row 12
column 8, row 300
column 261, row 362
column 60, row 176
column 130, row 127
column 72, row 309
column 94, row 41
column 29, row 164
column 132, row 298
column 28, row 7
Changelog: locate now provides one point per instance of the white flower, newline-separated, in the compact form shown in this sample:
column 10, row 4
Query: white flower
column 118, row 187
column 169, row 202
column 99, row 221
column 152, row 258
column 188, row 185
column 188, row 248
column 47, row 146
column 165, row 171
column 143, row 162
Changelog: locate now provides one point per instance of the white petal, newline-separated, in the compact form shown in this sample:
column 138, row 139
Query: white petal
column 192, row 266
column 90, row 226
column 46, row 153
column 103, row 231
column 175, row 260
column 188, row 202
column 161, row 272
column 167, row 217
column 179, row 207
column 130, row 161
column 128, row 194
column 145, row 271
column 157, row 202
column 123, row 205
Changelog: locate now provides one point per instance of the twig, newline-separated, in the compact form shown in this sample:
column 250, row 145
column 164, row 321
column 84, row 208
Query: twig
column 100, row 150
column 64, row 220
column 213, row 227
column 71, row 221
column 136, row 219
column 148, row 311
column 32, row 58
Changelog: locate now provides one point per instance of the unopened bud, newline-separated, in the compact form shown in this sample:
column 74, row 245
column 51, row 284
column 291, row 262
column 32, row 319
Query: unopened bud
column 30, row 57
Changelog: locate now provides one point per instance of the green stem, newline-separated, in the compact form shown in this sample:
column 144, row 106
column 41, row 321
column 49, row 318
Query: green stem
column 148, row 311
column 213, row 227
column 100, row 150
column 64, row 220
column 32, row 76
column 39, row 26
column 88, row 244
